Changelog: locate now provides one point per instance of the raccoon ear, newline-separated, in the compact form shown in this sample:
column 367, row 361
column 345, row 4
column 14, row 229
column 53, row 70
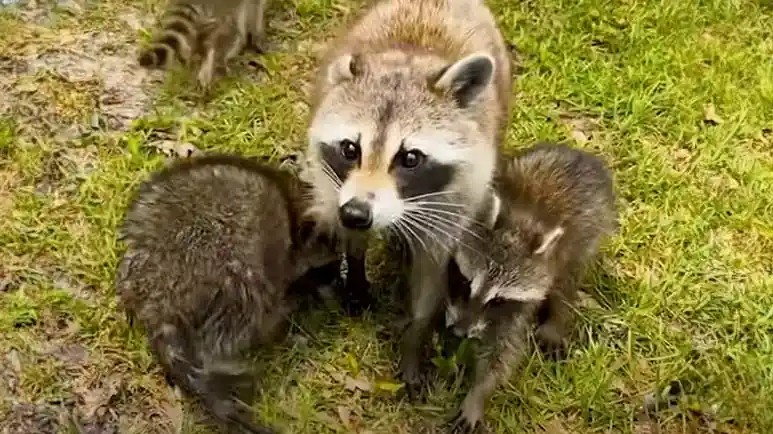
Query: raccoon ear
column 466, row 78
column 549, row 241
column 343, row 68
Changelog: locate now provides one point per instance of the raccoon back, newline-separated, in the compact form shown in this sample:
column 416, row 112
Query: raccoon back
column 558, row 185
column 208, row 241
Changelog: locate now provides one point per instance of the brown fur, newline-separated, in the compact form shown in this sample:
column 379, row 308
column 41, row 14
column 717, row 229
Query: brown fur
column 213, row 246
column 426, row 35
column 406, row 76
column 557, row 205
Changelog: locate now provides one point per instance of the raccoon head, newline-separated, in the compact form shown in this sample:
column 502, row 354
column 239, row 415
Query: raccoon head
column 516, row 269
column 395, row 135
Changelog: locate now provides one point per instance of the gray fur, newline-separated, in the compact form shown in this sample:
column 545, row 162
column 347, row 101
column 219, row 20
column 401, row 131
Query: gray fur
column 557, row 204
column 213, row 245
column 209, row 31
column 406, row 76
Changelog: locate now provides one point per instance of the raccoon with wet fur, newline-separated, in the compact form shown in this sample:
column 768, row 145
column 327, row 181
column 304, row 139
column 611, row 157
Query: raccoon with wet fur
column 553, row 208
column 208, row 31
column 409, row 108
column 214, row 245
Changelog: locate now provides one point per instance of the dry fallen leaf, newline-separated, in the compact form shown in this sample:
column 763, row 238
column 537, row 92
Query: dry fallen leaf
column 14, row 360
column 710, row 115
column 388, row 386
column 175, row 149
column 579, row 137
column 554, row 427
column 345, row 415
column 97, row 399
column 93, row 400
column 359, row 383
column 619, row 385
column 173, row 409
column 587, row 301
column 645, row 428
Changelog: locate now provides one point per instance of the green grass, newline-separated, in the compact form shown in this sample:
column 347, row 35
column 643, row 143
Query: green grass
column 682, row 294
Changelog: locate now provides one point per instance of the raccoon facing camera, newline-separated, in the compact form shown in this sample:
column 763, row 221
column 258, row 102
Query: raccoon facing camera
column 216, row 255
column 409, row 108
column 553, row 207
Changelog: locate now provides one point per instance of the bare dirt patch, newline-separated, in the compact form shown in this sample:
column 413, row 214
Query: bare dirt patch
column 90, row 78
column 25, row 418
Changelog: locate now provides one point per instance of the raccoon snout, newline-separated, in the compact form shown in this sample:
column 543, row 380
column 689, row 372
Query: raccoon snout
column 356, row 214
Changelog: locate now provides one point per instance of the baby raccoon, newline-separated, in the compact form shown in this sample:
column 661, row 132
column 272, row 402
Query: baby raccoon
column 214, row 31
column 554, row 206
column 214, row 245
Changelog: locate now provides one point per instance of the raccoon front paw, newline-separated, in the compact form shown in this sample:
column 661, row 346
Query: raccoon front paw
column 257, row 44
column 415, row 380
column 469, row 419
column 550, row 342
column 463, row 424
column 356, row 297
column 415, row 391
column 553, row 351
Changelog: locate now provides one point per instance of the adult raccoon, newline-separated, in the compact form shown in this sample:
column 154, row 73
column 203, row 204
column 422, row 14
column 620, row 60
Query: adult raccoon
column 409, row 108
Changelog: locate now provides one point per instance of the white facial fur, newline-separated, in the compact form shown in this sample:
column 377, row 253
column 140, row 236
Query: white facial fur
column 386, row 205
column 453, row 313
column 515, row 293
column 361, row 90
column 477, row 283
column 477, row 329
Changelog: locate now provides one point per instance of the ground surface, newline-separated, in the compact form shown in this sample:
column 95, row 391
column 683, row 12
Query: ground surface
column 677, row 95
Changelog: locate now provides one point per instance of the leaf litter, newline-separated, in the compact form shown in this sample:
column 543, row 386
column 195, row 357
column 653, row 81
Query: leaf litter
column 103, row 62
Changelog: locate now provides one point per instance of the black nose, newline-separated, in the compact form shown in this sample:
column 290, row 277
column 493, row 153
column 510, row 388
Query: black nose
column 356, row 214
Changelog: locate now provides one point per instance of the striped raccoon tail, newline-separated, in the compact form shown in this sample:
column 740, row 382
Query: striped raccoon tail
column 176, row 37
column 217, row 383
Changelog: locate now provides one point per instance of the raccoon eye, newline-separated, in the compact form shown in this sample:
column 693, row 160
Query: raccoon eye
column 496, row 302
column 350, row 150
column 411, row 159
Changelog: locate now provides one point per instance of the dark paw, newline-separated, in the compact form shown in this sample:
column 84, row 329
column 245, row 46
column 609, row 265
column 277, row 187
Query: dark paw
column 415, row 392
column 169, row 380
column 416, row 383
column 552, row 351
column 461, row 425
column 356, row 297
column 450, row 342
column 257, row 44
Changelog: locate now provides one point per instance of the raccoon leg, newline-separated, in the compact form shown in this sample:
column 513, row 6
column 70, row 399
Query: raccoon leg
column 428, row 287
column 356, row 296
column 216, row 383
column 507, row 348
column 257, row 21
column 554, row 320
column 318, row 285
column 219, row 47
